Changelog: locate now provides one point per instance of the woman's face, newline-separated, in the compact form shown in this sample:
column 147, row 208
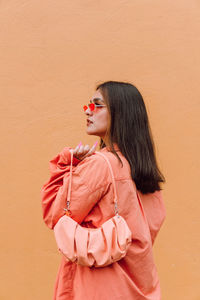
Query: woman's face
column 98, row 119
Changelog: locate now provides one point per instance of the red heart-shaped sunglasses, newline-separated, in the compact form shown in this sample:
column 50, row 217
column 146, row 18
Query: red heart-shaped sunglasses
column 92, row 106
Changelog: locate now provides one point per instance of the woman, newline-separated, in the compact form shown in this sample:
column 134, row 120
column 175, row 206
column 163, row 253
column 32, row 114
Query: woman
column 116, row 114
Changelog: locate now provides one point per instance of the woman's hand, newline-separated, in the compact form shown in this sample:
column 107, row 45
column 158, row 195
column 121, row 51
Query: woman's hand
column 81, row 151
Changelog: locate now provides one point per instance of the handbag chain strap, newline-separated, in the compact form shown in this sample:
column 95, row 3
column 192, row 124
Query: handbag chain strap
column 113, row 182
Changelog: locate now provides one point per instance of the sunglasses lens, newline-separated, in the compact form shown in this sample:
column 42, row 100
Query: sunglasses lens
column 91, row 106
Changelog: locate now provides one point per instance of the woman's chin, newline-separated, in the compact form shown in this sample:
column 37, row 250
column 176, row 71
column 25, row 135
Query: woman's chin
column 90, row 132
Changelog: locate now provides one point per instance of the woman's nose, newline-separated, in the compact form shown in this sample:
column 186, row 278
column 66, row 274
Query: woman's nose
column 88, row 111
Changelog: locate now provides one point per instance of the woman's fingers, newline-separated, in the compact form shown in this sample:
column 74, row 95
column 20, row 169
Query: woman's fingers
column 75, row 151
column 82, row 151
column 92, row 150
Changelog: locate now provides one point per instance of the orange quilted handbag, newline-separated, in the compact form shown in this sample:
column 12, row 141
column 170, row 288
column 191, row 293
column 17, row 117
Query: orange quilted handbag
column 93, row 247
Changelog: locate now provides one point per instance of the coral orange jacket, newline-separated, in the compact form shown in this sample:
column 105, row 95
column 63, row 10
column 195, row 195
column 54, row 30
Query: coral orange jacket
column 135, row 276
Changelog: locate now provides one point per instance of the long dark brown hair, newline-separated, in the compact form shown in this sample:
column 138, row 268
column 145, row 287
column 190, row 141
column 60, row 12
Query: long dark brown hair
column 130, row 129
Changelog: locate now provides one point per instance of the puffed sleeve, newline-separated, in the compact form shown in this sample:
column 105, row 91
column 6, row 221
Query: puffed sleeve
column 58, row 167
column 89, row 184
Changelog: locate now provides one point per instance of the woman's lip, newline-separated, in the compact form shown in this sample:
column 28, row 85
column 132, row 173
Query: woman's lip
column 88, row 123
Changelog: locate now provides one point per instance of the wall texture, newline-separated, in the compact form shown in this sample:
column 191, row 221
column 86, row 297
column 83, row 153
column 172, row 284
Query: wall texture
column 52, row 54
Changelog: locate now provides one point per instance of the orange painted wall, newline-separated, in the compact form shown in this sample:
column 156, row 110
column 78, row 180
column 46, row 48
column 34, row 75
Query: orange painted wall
column 52, row 54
